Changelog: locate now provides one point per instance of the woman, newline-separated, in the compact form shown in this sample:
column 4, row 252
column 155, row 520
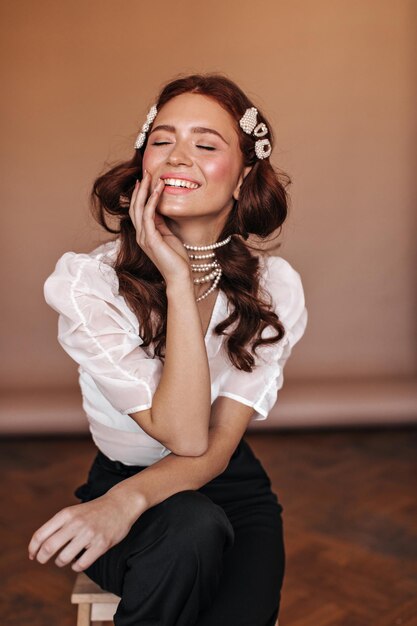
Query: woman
column 181, row 334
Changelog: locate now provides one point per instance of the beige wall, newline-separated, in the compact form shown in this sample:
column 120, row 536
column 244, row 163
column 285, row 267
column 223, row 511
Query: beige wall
column 337, row 80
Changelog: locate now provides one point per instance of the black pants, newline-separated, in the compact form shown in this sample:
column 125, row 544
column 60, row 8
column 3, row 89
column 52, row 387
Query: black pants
column 207, row 557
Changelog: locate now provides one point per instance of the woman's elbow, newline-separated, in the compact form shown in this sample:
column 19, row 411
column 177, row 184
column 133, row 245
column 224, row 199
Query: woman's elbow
column 188, row 448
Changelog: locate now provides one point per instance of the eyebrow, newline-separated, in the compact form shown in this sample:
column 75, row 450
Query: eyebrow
column 195, row 129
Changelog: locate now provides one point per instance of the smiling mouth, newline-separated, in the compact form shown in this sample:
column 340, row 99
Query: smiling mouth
column 177, row 189
column 180, row 183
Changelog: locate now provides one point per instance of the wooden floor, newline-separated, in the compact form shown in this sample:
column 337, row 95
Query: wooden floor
column 350, row 515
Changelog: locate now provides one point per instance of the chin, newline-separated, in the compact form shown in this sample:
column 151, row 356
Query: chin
column 168, row 208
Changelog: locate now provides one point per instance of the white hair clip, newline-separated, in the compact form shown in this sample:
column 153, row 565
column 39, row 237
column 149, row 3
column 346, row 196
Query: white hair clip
column 248, row 123
column 140, row 140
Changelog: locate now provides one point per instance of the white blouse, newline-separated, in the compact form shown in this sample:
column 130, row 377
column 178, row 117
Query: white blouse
column 117, row 376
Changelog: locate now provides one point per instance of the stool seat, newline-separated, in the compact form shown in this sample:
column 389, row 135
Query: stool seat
column 94, row 604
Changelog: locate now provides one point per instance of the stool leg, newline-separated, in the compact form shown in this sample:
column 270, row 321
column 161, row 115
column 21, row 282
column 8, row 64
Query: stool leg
column 84, row 614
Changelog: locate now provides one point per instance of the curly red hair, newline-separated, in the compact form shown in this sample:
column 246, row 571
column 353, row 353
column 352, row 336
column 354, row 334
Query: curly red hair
column 260, row 210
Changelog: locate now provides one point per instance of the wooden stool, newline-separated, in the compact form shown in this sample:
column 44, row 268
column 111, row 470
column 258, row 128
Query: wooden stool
column 94, row 604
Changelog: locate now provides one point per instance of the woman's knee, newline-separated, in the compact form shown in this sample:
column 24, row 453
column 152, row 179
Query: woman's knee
column 194, row 517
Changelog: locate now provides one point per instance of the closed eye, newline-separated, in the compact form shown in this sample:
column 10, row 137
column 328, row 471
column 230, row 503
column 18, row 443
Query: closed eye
column 164, row 143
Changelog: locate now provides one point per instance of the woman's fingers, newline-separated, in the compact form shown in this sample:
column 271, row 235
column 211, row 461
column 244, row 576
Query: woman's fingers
column 133, row 200
column 54, row 543
column 150, row 208
column 79, row 542
column 82, row 531
column 45, row 531
column 132, row 203
column 142, row 205
column 92, row 553
column 73, row 540
column 152, row 232
column 139, row 196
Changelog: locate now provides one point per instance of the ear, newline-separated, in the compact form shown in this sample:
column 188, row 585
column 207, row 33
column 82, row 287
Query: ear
column 242, row 176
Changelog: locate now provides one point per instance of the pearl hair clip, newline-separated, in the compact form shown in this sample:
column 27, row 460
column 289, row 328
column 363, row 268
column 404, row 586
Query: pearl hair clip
column 140, row 140
column 248, row 123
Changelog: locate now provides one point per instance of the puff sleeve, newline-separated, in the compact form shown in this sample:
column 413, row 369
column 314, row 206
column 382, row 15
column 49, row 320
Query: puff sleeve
column 98, row 330
column 259, row 388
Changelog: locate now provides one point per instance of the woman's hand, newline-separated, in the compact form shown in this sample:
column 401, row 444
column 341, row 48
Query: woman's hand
column 93, row 527
column 160, row 244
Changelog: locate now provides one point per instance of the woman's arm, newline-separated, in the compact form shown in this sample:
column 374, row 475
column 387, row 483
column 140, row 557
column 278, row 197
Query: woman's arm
column 98, row 525
column 180, row 410
column 229, row 420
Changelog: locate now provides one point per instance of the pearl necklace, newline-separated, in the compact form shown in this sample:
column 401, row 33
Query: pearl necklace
column 216, row 272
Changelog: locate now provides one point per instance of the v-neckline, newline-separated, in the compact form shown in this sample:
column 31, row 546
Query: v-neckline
column 213, row 315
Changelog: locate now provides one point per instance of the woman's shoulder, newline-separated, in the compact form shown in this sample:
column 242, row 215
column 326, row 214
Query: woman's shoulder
column 284, row 283
column 85, row 285
column 276, row 270
column 92, row 271
column 104, row 252
column 278, row 266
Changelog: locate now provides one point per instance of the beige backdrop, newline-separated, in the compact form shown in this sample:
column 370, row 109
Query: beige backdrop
column 337, row 81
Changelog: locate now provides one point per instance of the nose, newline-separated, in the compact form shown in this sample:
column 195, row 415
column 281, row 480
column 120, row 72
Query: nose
column 179, row 155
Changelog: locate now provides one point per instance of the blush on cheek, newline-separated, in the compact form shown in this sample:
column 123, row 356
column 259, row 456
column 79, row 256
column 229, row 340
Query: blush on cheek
column 151, row 161
column 221, row 170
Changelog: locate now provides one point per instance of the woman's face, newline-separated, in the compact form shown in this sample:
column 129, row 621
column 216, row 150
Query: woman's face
column 193, row 138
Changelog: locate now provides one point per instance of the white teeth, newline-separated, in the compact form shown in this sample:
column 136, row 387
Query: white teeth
column 179, row 182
